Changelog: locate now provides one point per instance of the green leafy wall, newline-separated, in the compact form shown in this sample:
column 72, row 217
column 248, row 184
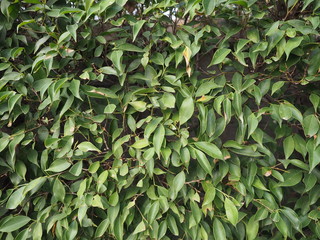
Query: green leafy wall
column 159, row 119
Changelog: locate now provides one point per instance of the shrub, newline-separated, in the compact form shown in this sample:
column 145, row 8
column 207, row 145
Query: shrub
column 159, row 119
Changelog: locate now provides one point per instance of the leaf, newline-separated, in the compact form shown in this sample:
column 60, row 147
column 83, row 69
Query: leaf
column 14, row 223
column 59, row 166
column 288, row 146
column 178, row 181
column 141, row 143
column 291, row 178
column 153, row 212
column 219, row 56
column 136, row 29
column 276, row 86
column 203, row 161
column 314, row 158
column 140, row 106
column 210, row 149
column 58, row 190
column 74, row 88
column 209, row 6
column 253, row 35
column 292, row 44
column 158, row 138
column 109, row 108
column 310, row 125
column 210, row 193
column 116, row 57
column 102, row 228
column 76, row 169
column 186, row 110
column 252, row 124
column 87, row 146
column 219, row 232
column 140, row 228
column 16, row 198
column 168, row 100
column 252, row 228
column 315, row 100
column 231, row 211
column 293, row 218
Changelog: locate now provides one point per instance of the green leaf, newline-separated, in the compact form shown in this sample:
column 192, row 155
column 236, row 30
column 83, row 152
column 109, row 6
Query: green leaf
column 315, row 100
column 136, row 28
column 16, row 198
column 203, row 161
column 140, row 228
column 210, row 149
column 209, row 6
column 292, row 44
column 87, row 146
column 140, row 106
column 253, row 35
column 310, row 125
column 168, row 100
column 74, row 88
column 158, row 138
column 210, row 193
column 178, row 181
column 252, row 228
column 114, row 199
column 276, row 86
column 252, row 124
column 219, row 56
column 288, row 146
column 186, row 110
column 109, row 108
column 153, row 212
column 231, row 211
column 14, row 223
column 141, row 143
column 102, row 228
column 59, row 166
column 219, row 232
column 76, row 169
column 291, row 178
column 314, row 158
column 58, row 190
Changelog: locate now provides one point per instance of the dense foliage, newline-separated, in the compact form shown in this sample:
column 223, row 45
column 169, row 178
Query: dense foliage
column 160, row 119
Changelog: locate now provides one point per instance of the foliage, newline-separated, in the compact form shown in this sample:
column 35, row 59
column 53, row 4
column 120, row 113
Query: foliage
column 159, row 119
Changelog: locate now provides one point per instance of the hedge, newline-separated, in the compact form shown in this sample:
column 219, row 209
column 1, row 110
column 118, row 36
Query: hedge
column 160, row 119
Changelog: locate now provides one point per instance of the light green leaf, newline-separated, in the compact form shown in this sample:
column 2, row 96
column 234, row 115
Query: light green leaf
column 219, row 56
column 203, row 161
column 252, row 228
column 219, row 232
column 14, row 223
column 59, row 166
column 291, row 178
column 186, row 110
column 210, row 149
column 140, row 228
column 87, row 146
column 310, row 125
column 208, row 6
column 288, row 146
column 178, row 181
column 16, row 198
column 58, row 190
column 292, row 44
column 158, row 138
column 231, row 211
column 136, row 28
column 141, row 143
column 109, row 108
